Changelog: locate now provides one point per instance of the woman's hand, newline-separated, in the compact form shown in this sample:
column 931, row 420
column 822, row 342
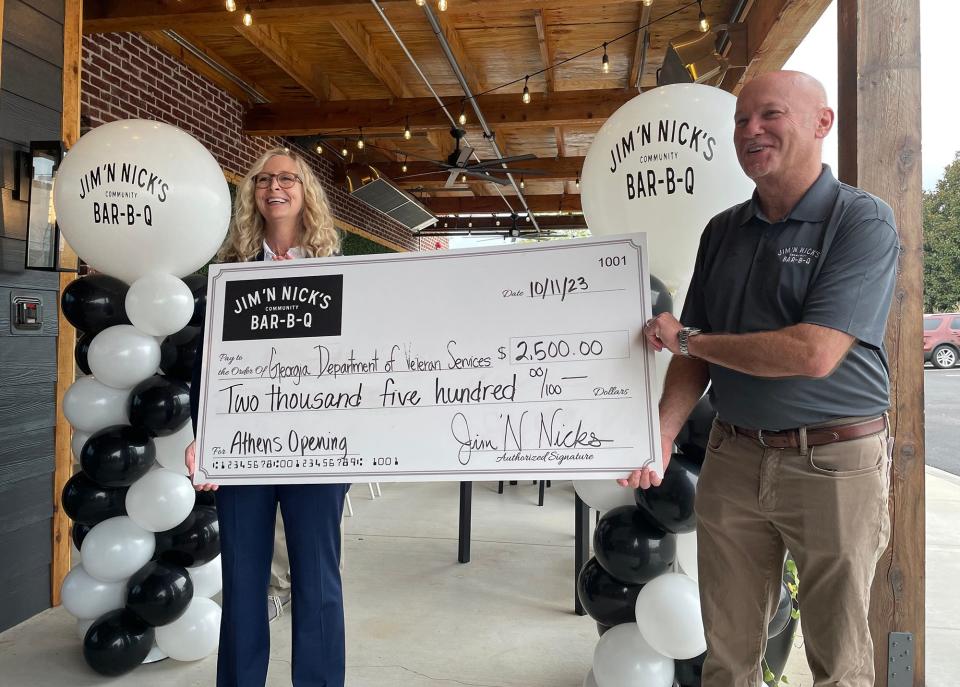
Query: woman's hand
column 190, row 460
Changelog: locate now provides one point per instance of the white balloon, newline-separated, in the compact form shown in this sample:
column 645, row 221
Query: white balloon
column 116, row 548
column 195, row 634
column 122, row 356
column 687, row 554
column 160, row 500
column 604, row 494
column 207, row 578
column 83, row 624
column 77, row 441
column 156, row 654
column 171, row 447
column 624, row 659
column 91, row 406
column 87, row 598
column 136, row 196
column 665, row 163
column 589, row 680
column 668, row 616
column 159, row 304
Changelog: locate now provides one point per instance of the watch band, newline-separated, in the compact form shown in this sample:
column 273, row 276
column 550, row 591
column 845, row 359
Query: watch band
column 683, row 338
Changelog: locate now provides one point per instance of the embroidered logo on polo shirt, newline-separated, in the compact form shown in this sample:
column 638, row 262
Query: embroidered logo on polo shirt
column 799, row 255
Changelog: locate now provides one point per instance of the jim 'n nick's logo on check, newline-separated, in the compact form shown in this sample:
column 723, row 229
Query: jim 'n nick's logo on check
column 290, row 308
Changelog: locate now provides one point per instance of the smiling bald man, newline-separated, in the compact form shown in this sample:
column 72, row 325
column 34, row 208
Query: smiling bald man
column 785, row 319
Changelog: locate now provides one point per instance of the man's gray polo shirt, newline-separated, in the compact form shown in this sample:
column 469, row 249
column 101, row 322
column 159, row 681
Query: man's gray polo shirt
column 831, row 262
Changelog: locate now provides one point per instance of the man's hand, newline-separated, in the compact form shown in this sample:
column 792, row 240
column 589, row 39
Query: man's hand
column 190, row 460
column 646, row 478
column 661, row 332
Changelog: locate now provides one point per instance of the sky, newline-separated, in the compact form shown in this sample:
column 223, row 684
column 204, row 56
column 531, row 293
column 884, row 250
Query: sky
column 940, row 137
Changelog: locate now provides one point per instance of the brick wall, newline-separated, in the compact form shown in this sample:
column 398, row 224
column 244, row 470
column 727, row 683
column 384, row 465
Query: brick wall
column 126, row 77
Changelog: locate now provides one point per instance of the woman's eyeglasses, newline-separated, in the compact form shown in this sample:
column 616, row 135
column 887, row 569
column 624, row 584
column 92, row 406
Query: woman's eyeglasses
column 284, row 179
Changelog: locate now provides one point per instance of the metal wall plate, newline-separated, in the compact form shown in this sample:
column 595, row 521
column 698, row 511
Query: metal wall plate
column 900, row 667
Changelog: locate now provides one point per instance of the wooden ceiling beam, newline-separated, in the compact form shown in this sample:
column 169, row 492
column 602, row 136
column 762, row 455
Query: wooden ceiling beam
column 556, row 169
column 545, row 53
column 382, row 116
column 774, row 30
column 465, row 205
column 639, row 53
column 467, row 66
column 355, row 36
column 103, row 16
column 269, row 41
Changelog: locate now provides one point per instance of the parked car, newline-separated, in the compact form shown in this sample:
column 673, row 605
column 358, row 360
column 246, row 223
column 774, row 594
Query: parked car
column 941, row 339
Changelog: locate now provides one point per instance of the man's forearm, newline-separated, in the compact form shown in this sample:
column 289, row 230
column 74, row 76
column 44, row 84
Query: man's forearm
column 797, row 351
column 684, row 385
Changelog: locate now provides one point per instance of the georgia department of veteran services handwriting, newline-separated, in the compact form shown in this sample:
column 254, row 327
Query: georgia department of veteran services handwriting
column 477, row 364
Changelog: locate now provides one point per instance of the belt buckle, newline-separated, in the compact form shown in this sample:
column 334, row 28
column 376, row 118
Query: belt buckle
column 760, row 438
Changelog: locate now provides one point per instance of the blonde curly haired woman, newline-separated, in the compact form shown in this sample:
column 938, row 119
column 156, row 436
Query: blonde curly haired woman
column 280, row 213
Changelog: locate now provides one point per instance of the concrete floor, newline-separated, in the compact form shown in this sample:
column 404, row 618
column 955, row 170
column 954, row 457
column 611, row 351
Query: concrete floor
column 417, row 618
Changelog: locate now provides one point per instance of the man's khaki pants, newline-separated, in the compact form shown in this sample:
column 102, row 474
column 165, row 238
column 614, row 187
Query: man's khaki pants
column 827, row 506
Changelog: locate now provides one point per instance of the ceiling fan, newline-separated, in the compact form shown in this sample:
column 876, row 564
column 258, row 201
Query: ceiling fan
column 458, row 164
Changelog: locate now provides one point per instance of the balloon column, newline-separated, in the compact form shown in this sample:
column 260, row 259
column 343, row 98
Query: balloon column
column 145, row 205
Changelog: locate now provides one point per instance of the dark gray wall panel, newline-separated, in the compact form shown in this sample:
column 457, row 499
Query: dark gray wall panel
column 26, row 595
column 12, row 273
column 51, row 8
column 25, row 502
column 32, row 78
column 26, row 407
column 48, row 305
column 22, row 553
column 13, row 216
column 22, row 120
column 33, row 31
column 28, row 361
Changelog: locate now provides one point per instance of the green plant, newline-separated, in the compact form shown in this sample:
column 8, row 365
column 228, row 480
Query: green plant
column 791, row 578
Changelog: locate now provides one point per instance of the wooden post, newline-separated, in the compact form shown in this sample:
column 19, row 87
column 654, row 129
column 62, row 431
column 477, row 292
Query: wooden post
column 67, row 335
column 879, row 76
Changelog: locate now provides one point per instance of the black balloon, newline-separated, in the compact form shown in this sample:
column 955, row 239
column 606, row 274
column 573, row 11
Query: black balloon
column 78, row 532
column 193, row 542
column 602, row 629
column 778, row 650
column 91, row 304
column 671, row 504
column 160, row 405
column 85, row 501
column 178, row 352
column 117, row 642
column 206, row 498
column 605, row 599
column 662, row 300
column 118, row 456
column 781, row 617
column 692, row 438
column 159, row 592
column 689, row 672
column 80, row 352
column 631, row 547
column 198, row 286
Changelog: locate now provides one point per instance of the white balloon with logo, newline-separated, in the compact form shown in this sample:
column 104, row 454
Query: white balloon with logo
column 135, row 197
column 664, row 164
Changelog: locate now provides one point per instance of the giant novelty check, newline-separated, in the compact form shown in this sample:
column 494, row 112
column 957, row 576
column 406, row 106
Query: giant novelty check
column 477, row 364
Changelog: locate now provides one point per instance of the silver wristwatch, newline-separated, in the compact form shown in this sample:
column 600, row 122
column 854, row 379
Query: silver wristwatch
column 683, row 337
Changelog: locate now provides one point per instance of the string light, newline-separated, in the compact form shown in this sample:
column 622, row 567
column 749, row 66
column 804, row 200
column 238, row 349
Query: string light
column 404, row 168
column 647, row 3
column 526, row 90
column 320, row 149
column 421, row 3
column 605, row 64
column 231, row 6
column 463, row 116
column 247, row 16
column 463, row 178
column 442, row 5
column 344, row 152
column 522, row 185
column 407, row 134
column 704, row 22
column 578, row 181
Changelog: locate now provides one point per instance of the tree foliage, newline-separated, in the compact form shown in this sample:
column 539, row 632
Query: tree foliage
column 941, row 242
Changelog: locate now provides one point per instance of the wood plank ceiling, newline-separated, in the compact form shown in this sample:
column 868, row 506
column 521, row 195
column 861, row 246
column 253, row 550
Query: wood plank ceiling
column 327, row 67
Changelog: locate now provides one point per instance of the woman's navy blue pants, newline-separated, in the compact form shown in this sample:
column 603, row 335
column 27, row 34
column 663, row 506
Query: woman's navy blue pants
column 311, row 517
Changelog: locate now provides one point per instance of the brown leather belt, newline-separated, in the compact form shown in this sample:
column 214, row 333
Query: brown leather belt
column 790, row 438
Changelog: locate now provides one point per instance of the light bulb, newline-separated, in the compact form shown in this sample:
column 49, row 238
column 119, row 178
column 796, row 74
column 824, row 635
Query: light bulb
column 463, row 178
column 526, row 91
column 421, row 3
column 231, row 6
column 522, row 185
column 360, row 143
column 442, row 5
column 463, row 118
column 320, row 149
column 578, row 182
column 344, row 152
column 247, row 17
column 470, row 224
column 605, row 63
column 404, row 168
column 704, row 22
column 498, row 223
column 407, row 134
column 647, row 3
